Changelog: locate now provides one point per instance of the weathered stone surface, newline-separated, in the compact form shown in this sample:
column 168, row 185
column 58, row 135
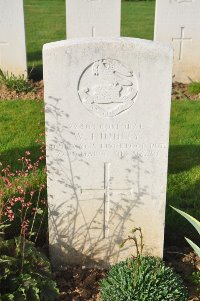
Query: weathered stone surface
column 93, row 18
column 12, row 37
column 177, row 22
column 107, row 126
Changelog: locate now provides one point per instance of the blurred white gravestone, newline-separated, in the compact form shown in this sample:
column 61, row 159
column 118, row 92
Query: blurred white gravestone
column 12, row 37
column 177, row 22
column 107, row 106
column 93, row 18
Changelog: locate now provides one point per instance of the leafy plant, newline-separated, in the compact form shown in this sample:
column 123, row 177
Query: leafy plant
column 142, row 279
column 16, row 83
column 196, row 225
column 23, row 204
column 25, row 273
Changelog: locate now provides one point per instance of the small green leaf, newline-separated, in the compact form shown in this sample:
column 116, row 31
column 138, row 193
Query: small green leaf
column 3, row 226
column 33, row 294
column 9, row 297
column 40, row 211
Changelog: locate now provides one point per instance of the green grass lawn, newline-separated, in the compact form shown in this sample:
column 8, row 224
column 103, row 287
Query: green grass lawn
column 138, row 19
column 22, row 121
column 184, row 169
column 45, row 22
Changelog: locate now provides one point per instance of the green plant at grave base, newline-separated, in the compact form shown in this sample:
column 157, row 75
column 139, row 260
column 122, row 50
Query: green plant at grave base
column 142, row 278
column 194, row 88
column 196, row 225
column 25, row 273
column 15, row 83
column 153, row 281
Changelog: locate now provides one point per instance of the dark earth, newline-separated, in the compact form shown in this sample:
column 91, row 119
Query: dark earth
column 81, row 284
column 36, row 94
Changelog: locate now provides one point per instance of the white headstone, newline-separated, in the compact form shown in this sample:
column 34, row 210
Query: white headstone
column 107, row 128
column 93, row 18
column 177, row 22
column 12, row 37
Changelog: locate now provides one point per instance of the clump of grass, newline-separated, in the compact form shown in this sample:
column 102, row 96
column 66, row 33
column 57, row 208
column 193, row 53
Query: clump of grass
column 194, row 88
column 16, row 83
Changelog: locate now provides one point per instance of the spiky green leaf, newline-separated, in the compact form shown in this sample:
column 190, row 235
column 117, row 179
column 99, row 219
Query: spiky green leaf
column 192, row 220
column 194, row 246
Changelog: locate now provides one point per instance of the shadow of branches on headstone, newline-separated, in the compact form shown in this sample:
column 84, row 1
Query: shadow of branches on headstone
column 72, row 222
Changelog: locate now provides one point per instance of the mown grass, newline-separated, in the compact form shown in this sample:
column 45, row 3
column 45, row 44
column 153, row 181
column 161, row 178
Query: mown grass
column 184, row 169
column 138, row 19
column 194, row 88
column 45, row 22
column 21, row 122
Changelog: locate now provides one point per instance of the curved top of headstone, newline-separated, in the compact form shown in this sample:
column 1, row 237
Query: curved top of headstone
column 108, row 73
column 144, row 44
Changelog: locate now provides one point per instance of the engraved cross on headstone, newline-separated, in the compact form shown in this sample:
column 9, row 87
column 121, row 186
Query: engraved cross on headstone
column 107, row 191
column 2, row 44
column 181, row 41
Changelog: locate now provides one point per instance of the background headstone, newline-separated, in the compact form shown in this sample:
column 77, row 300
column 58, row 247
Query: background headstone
column 177, row 22
column 12, row 37
column 107, row 128
column 93, row 18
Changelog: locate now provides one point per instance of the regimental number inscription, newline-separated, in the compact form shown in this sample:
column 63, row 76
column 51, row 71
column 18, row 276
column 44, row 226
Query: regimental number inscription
column 107, row 88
